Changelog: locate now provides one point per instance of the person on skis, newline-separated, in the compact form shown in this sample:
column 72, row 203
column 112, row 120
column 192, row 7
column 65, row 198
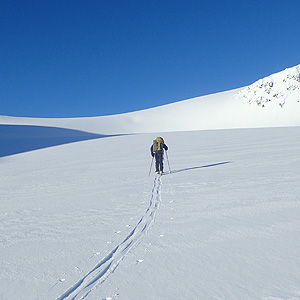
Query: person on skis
column 157, row 151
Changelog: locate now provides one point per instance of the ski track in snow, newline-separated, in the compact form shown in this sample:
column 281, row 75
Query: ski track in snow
column 111, row 261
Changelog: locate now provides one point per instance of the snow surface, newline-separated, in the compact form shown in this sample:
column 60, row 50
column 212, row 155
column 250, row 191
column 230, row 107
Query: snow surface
column 277, row 98
column 278, row 89
column 81, row 219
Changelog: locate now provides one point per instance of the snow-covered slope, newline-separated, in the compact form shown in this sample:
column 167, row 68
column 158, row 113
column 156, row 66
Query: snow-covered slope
column 277, row 98
column 81, row 218
column 281, row 89
column 84, row 219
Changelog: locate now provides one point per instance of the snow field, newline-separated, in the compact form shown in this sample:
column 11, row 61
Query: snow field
column 226, row 227
column 60, row 200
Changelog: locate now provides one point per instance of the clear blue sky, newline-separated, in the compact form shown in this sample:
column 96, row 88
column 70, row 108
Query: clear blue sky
column 63, row 58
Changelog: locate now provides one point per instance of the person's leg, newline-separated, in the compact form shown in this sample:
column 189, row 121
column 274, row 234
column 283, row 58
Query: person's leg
column 156, row 162
column 161, row 163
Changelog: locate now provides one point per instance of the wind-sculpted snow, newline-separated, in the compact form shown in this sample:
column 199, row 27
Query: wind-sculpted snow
column 111, row 261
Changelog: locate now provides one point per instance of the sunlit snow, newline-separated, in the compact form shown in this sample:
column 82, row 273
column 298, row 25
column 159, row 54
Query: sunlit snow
column 81, row 219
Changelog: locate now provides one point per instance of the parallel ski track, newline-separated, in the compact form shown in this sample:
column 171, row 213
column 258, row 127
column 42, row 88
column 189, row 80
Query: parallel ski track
column 109, row 263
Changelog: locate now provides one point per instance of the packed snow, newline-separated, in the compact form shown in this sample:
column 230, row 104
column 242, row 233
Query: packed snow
column 81, row 219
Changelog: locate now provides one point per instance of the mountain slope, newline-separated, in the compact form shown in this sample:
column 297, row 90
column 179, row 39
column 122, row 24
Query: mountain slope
column 275, row 98
column 85, row 221
column 281, row 89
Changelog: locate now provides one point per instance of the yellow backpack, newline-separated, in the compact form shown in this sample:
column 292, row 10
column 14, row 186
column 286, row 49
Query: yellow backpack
column 157, row 144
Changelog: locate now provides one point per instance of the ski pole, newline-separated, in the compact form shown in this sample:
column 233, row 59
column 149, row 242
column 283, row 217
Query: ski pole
column 151, row 166
column 168, row 161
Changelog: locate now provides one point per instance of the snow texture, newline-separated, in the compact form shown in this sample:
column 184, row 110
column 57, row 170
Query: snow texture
column 81, row 219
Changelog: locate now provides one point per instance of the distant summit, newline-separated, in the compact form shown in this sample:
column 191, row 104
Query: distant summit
column 279, row 89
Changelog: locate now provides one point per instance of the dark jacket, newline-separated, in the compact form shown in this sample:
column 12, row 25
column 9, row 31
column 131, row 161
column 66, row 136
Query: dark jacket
column 164, row 146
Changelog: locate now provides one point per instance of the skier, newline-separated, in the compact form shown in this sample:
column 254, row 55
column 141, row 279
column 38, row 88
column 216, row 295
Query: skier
column 157, row 151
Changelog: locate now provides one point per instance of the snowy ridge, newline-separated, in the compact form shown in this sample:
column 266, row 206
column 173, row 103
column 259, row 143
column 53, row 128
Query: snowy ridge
column 109, row 263
column 278, row 88
column 279, row 94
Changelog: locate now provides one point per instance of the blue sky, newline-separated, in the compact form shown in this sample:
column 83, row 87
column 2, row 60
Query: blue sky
column 90, row 58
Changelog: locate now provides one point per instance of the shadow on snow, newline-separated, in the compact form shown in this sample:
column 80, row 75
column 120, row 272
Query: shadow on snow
column 201, row 167
column 16, row 139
